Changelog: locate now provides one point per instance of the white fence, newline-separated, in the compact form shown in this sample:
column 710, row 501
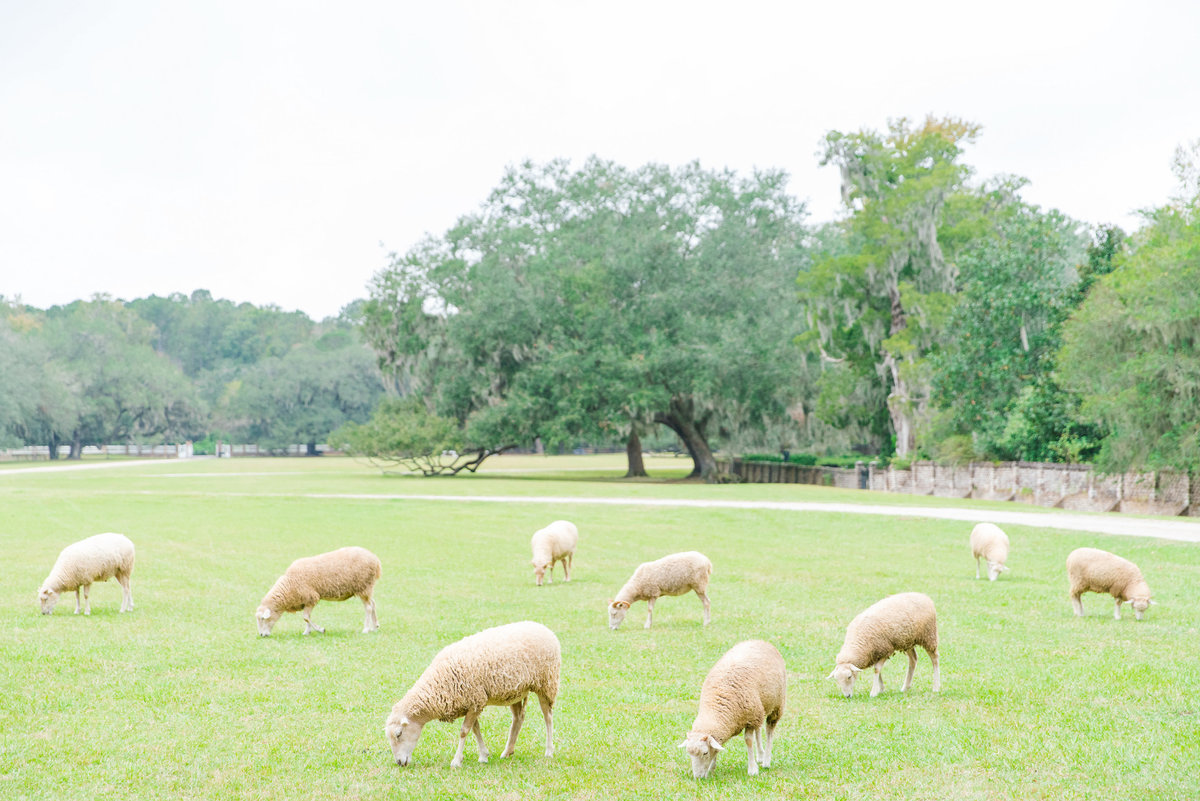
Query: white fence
column 176, row 451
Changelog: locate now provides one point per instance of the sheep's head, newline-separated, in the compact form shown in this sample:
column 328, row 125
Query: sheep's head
column 539, row 570
column 265, row 617
column 703, row 749
column 995, row 569
column 844, row 675
column 1140, row 604
column 403, row 734
column 616, row 613
column 48, row 599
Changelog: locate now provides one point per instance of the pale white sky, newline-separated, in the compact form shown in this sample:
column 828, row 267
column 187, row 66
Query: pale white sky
column 273, row 152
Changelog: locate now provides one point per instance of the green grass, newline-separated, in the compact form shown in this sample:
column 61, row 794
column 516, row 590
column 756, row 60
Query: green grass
column 181, row 699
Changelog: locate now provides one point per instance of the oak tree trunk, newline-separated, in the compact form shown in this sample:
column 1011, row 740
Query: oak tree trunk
column 633, row 454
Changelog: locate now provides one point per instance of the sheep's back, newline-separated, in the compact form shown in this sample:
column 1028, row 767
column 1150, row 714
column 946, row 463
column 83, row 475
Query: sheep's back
column 1100, row 571
column 337, row 575
column 97, row 558
column 503, row 663
column 675, row 574
column 895, row 623
column 752, row 676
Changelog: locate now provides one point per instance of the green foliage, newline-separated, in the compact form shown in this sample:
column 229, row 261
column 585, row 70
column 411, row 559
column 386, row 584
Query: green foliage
column 402, row 431
column 303, row 396
column 877, row 296
column 1132, row 351
column 585, row 304
column 1017, row 285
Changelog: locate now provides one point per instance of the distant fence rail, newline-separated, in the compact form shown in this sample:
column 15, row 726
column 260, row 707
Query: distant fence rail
column 1067, row 486
column 174, row 451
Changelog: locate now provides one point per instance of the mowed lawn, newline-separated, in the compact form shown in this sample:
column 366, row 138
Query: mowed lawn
column 181, row 698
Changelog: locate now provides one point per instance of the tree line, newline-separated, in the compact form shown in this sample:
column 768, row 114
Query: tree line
column 175, row 369
column 942, row 316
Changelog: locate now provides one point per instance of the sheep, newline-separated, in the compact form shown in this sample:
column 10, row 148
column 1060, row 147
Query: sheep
column 897, row 623
column 989, row 542
column 676, row 574
column 554, row 543
column 97, row 558
column 743, row 692
column 499, row 666
column 333, row 576
column 1094, row 570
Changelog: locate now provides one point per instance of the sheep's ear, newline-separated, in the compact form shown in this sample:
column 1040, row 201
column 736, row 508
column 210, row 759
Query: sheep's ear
column 715, row 745
column 855, row 670
column 1153, row 602
column 683, row 744
column 830, row 676
column 1003, row 569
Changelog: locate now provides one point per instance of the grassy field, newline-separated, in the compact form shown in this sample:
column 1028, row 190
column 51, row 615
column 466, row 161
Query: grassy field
column 181, row 699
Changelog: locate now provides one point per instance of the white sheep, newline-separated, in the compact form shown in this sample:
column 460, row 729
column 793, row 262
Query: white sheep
column 744, row 692
column 499, row 666
column 333, row 576
column 676, row 574
column 97, row 558
column 1094, row 570
column 554, row 543
column 897, row 623
column 989, row 542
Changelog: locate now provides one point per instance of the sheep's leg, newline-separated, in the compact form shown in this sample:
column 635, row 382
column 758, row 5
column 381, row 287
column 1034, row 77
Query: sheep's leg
column 937, row 676
column 707, row 608
column 370, row 622
column 309, row 626
column 518, row 713
column 769, row 742
column 912, row 667
column 1077, row 604
column 470, row 721
column 126, row 593
column 877, row 685
column 78, row 590
column 976, row 567
column 758, row 744
column 548, row 714
column 649, row 612
column 567, row 566
column 1117, row 611
column 751, row 757
column 87, row 603
column 483, row 749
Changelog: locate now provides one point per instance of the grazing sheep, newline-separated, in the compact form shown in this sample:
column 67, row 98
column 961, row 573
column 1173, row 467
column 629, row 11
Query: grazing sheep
column 333, row 576
column 554, row 543
column 744, row 691
column 1094, row 570
column 989, row 542
column 97, row 558
column 896, row 623
column 676, row 574
column 497, row 667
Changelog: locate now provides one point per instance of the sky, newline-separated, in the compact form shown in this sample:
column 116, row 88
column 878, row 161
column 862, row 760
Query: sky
column 277, row 152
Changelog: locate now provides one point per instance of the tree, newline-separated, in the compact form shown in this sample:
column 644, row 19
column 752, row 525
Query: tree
column 1017, row 282
column 304, row 395
column 402, row 431
column 1132, row 350
column 596, row 303
column 115, row 387
column 877, row 302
